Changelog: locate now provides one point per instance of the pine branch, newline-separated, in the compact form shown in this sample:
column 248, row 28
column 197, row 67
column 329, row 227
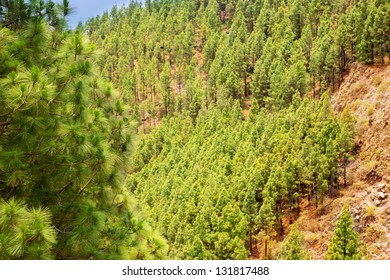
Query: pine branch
column 61, row 231
column 86, row 185
column 7, row 24
column 5, row 123
column 60, row 115
column 62, row 89
column 65, row 187
column 13, row 111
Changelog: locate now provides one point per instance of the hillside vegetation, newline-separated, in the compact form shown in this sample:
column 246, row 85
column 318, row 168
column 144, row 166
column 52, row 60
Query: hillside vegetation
column 175, row 57
column 197, row 129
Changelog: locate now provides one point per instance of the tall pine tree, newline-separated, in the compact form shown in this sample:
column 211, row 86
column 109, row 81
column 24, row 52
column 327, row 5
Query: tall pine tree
column 345, row 244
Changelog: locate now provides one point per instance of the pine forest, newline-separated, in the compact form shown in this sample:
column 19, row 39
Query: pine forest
column 195, row 130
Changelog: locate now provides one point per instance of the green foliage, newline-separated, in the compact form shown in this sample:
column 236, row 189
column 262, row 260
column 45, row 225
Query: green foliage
column 270, row 50
column 14, row 14
column 195, row 63
column 211, row 185
column 205, row 178
column 25, row 233
column 345, row 244
column 293, row 247
column 65, row 139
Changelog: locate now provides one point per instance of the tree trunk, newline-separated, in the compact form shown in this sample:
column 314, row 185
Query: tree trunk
column 345, row 171
column 250, row 238
column 245, row 87
column 314, row 87
column 333, row 80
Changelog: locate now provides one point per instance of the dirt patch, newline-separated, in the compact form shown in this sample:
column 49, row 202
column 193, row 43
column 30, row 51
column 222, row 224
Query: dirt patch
column 366, row 90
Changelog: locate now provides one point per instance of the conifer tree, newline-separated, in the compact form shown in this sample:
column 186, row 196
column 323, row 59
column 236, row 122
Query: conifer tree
column 183, row 62
column 345, row 244
column 267, row 218
column 25, row 233
column 293, row 247
column 345, row 139
column 14, row 14
column 65, row 138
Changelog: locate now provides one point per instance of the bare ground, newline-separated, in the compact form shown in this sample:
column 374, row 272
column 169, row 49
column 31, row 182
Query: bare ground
column 366, row 90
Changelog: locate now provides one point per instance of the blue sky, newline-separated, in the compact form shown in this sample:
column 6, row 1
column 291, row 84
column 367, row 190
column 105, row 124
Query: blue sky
column 85, row 9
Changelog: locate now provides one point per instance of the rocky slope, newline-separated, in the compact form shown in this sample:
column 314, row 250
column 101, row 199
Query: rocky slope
column 366, row 90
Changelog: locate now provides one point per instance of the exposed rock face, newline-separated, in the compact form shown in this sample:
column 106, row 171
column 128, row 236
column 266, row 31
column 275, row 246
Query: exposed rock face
column 382, row 195
column 365, row 87
column 381, row 186
column 366, row 90
column 378, row 194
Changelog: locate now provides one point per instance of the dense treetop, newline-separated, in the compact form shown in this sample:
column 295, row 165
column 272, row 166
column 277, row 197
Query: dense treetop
column 176, row 56
column 213, row 185
column 198, row 63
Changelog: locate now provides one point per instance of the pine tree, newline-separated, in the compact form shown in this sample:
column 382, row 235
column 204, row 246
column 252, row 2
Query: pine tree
column 65, row 140
column 165, row 84
column 184, row 62
column 293, row 247
column 345, row 139
column 25, row 233
column 345, row 244
column 267, row 218
column 14, row 14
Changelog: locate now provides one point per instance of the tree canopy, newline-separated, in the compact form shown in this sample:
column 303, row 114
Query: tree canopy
column 176, row 129
column 345, row 244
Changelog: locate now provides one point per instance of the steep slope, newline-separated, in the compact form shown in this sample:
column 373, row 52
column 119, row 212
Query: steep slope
column 201, row 169
column 366, row 90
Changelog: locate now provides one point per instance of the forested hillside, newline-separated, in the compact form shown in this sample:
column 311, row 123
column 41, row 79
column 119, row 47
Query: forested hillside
column 181, row 129
column 211, row 182
column 179, row 56
column 210, row 186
